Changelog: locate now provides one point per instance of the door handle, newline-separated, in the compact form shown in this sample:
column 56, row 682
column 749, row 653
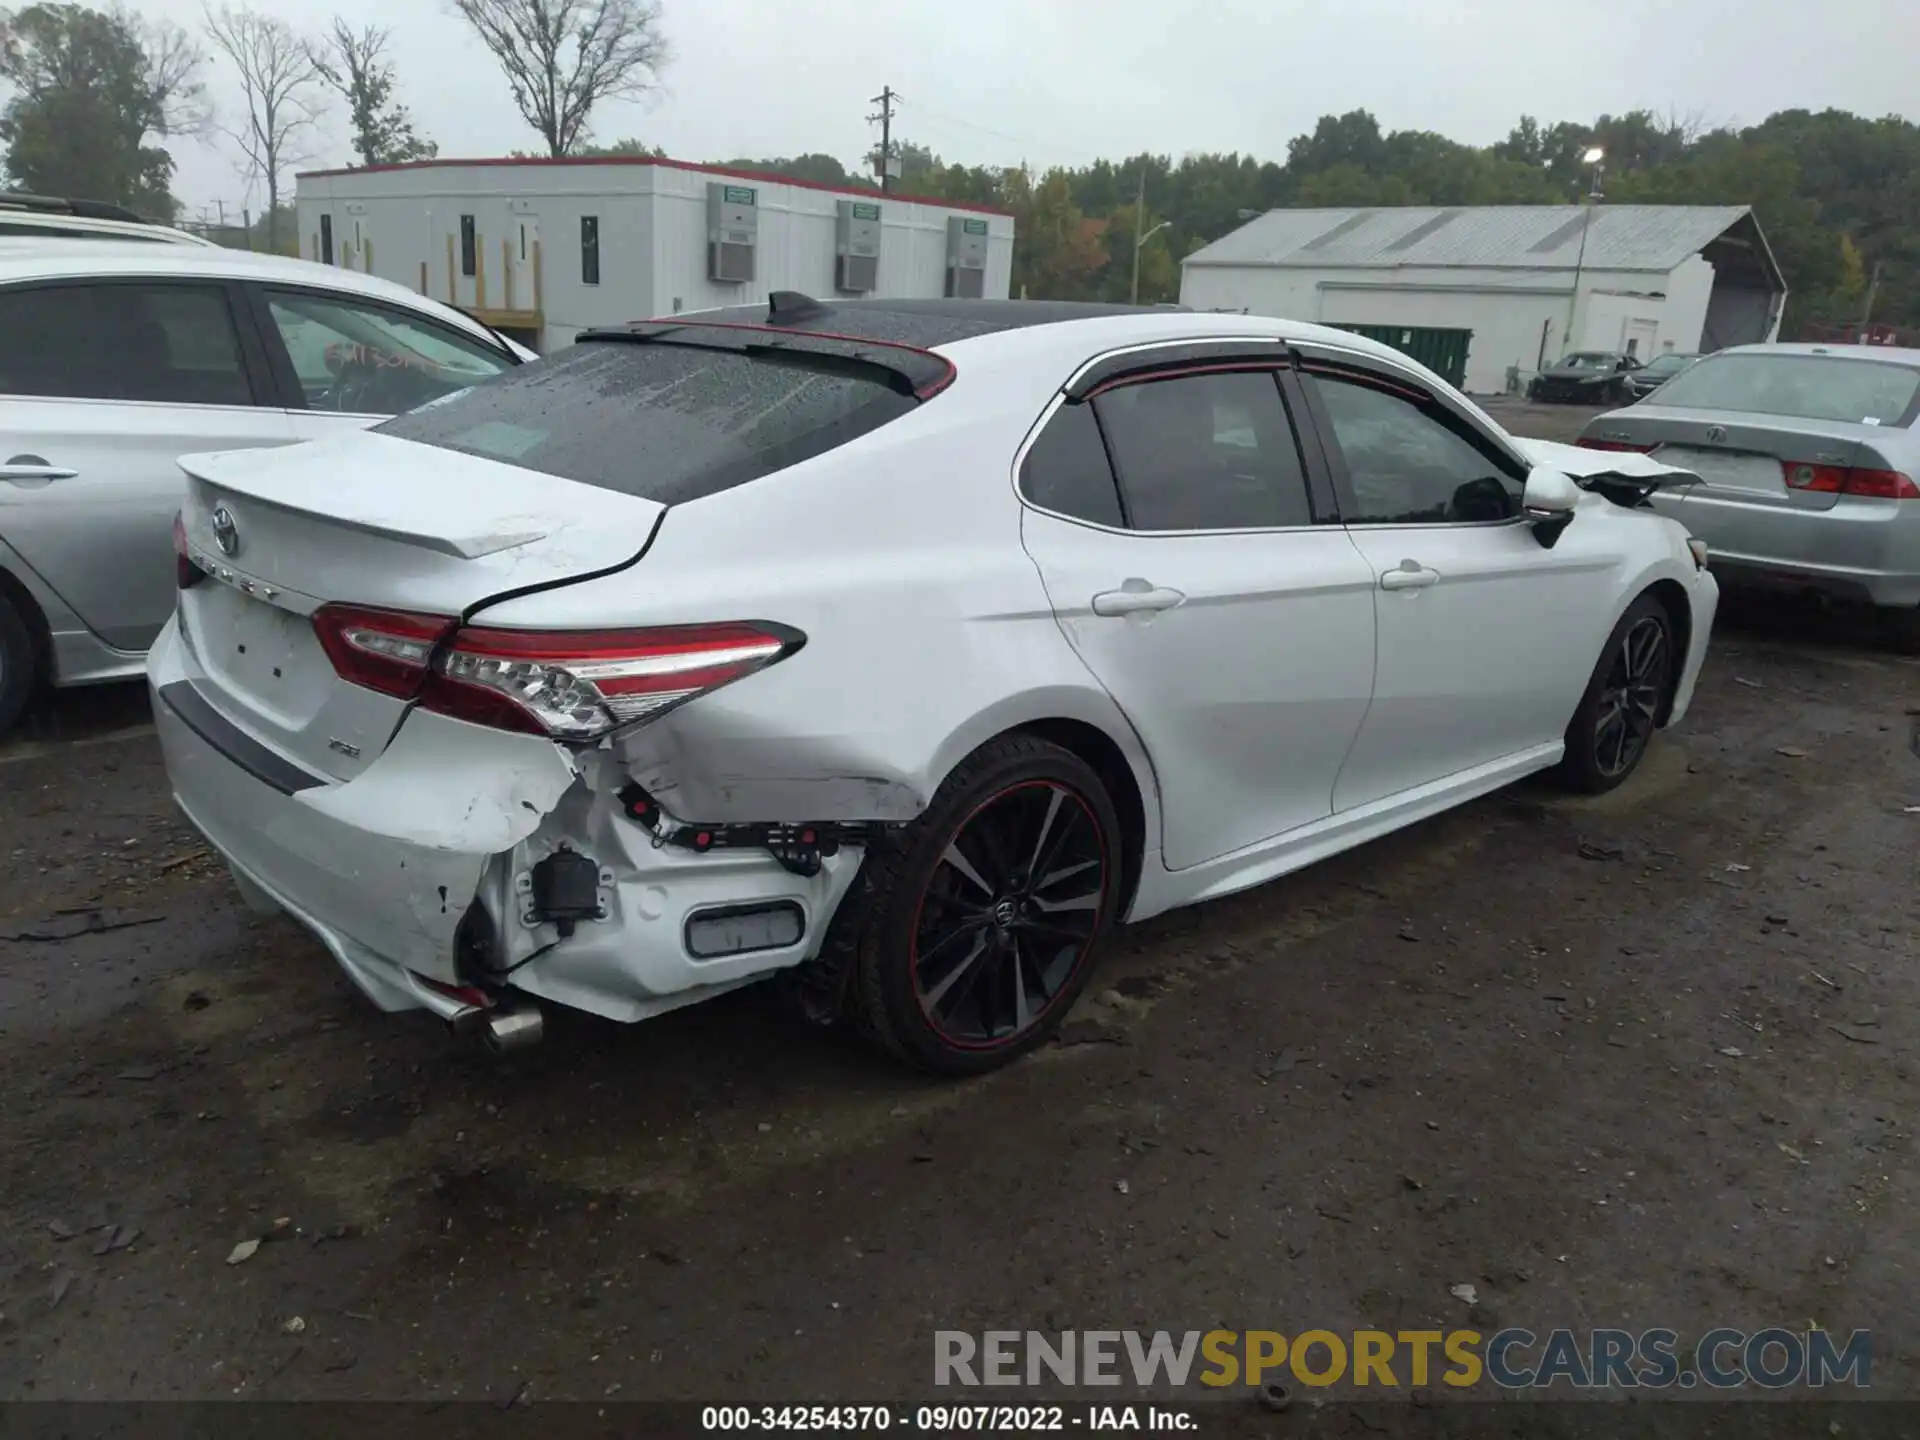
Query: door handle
column 33, row 467
column 1135, row 597
column 1410, row 575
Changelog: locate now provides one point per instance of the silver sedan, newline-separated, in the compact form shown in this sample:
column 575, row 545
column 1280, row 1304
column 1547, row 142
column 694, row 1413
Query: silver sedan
column 1807, row 457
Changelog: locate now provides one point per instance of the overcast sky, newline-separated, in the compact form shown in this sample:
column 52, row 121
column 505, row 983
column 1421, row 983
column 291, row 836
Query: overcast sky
column 1065, row 81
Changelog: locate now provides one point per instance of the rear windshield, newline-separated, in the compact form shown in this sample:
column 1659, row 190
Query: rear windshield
column 1667, row 364
column 1807, row 387
column 668, row 423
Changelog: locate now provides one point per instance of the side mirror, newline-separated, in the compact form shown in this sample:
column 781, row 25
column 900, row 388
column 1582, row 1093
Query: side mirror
column 1549, row 502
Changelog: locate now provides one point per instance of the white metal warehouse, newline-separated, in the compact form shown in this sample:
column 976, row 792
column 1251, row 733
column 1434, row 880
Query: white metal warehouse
column 1529, row 282
column 542, row 249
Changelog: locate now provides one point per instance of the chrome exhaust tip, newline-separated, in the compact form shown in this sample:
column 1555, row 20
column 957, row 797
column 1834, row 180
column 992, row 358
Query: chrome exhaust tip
column 513, row 1029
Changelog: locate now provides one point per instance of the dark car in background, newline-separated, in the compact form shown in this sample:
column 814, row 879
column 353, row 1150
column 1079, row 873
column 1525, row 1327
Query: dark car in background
column 1587, row 377
column 1657, row 371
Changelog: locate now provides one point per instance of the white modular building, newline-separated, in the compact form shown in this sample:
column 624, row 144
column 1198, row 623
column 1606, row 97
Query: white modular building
column 1497, row 293
column 542, row 249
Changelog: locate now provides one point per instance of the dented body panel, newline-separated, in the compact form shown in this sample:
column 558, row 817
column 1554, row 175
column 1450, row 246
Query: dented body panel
column 922, row 629
column 383, row 868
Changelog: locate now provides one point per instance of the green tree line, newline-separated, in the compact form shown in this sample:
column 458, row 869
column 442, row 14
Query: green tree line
column 89, row 96
column 1837, row 195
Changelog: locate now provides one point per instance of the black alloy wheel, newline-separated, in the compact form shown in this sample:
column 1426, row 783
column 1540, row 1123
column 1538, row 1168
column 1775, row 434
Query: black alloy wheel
column 969, row 933
column 1610, row 732
column 1009, row 914
column 1636, row 683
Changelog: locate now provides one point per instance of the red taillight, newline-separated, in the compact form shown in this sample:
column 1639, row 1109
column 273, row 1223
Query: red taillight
column 1885, row 484
column 578, row 684
column 1843, row 480
column 384, row 650
column 1587, row 442
column 186, row 573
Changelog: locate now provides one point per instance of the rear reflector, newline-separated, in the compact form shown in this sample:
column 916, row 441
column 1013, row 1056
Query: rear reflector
column 1842, row 480
column 1587, row 442
column 578, row 684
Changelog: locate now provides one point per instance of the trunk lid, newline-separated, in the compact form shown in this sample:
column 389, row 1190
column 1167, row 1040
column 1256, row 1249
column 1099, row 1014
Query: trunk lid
column 1741, row 458
column 367, row 520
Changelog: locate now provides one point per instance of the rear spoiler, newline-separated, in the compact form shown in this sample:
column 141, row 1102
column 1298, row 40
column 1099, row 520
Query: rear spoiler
column 906, row 368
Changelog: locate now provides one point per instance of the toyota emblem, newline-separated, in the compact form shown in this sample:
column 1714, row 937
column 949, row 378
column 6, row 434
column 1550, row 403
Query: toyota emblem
column 225, row 533
column 1716, row 435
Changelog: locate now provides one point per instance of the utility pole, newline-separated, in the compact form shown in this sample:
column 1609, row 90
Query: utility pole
column 1140, row 239
column 886, row 100
column 1866, row 315
column 1594, row 157
column 1139, row 222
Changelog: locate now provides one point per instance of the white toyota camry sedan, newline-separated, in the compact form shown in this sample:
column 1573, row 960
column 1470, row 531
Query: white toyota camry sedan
column 903, row 647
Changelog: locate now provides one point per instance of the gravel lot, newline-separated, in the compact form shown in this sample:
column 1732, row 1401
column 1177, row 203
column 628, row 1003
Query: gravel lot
column 1643, row 1060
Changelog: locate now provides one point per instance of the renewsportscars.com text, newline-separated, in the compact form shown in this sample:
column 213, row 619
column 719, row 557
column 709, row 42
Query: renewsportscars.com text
column 1512, row 1358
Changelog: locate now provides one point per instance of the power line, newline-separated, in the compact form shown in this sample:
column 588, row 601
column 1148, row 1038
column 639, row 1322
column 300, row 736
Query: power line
column 1026, row 144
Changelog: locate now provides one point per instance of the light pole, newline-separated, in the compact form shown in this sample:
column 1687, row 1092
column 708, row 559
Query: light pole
column 1592, row 157
column 1139, row 244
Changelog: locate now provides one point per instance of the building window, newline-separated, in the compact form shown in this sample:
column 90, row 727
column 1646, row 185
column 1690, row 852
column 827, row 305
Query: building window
column 326, row 239
column 469, row 246
column 589, row 249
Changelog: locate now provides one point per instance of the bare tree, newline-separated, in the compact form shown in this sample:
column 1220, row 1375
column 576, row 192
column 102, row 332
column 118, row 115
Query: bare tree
column 354, row 63
column 174, row 62
column 562, row 57
column 280, row 83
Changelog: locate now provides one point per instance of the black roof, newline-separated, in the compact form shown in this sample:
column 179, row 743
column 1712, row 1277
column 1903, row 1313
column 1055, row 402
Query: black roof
column 922, row 324
column 60, row 205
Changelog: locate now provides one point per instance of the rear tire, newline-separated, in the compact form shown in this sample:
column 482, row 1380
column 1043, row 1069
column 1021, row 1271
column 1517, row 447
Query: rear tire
column 19, row 667
column 1632, row 681
column 1900, row 629
column 969, row 933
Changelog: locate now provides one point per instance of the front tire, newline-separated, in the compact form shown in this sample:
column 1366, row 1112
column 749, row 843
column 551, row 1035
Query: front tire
column 969, row 934
column 1614, row 724
column 19, row 670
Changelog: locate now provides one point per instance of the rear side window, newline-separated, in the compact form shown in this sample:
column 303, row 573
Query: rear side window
column 1066, row 469
column 1809, row 387
column 170, row 343
column 669, row 423
column 1206, row 452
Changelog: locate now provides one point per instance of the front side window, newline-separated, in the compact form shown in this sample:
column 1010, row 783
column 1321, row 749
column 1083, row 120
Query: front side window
column 1809, row 387
column 363, row 359
column 172, row 344
column 1205, row 452
column 1407, row 466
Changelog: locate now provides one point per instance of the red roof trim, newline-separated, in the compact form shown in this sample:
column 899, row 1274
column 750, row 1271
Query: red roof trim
column 762, row 176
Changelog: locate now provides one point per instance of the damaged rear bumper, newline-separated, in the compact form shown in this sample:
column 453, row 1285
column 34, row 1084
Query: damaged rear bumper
column 418, row 875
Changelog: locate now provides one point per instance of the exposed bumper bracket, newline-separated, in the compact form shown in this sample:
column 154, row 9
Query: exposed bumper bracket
column 797, row 846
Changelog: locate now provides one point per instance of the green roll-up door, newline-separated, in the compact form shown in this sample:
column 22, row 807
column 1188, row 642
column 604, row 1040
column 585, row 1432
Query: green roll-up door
column 1442, row 351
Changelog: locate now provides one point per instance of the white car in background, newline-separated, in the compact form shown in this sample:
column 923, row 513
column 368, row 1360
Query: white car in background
column 905, row 646
column 44, row 216
column 117, row 357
